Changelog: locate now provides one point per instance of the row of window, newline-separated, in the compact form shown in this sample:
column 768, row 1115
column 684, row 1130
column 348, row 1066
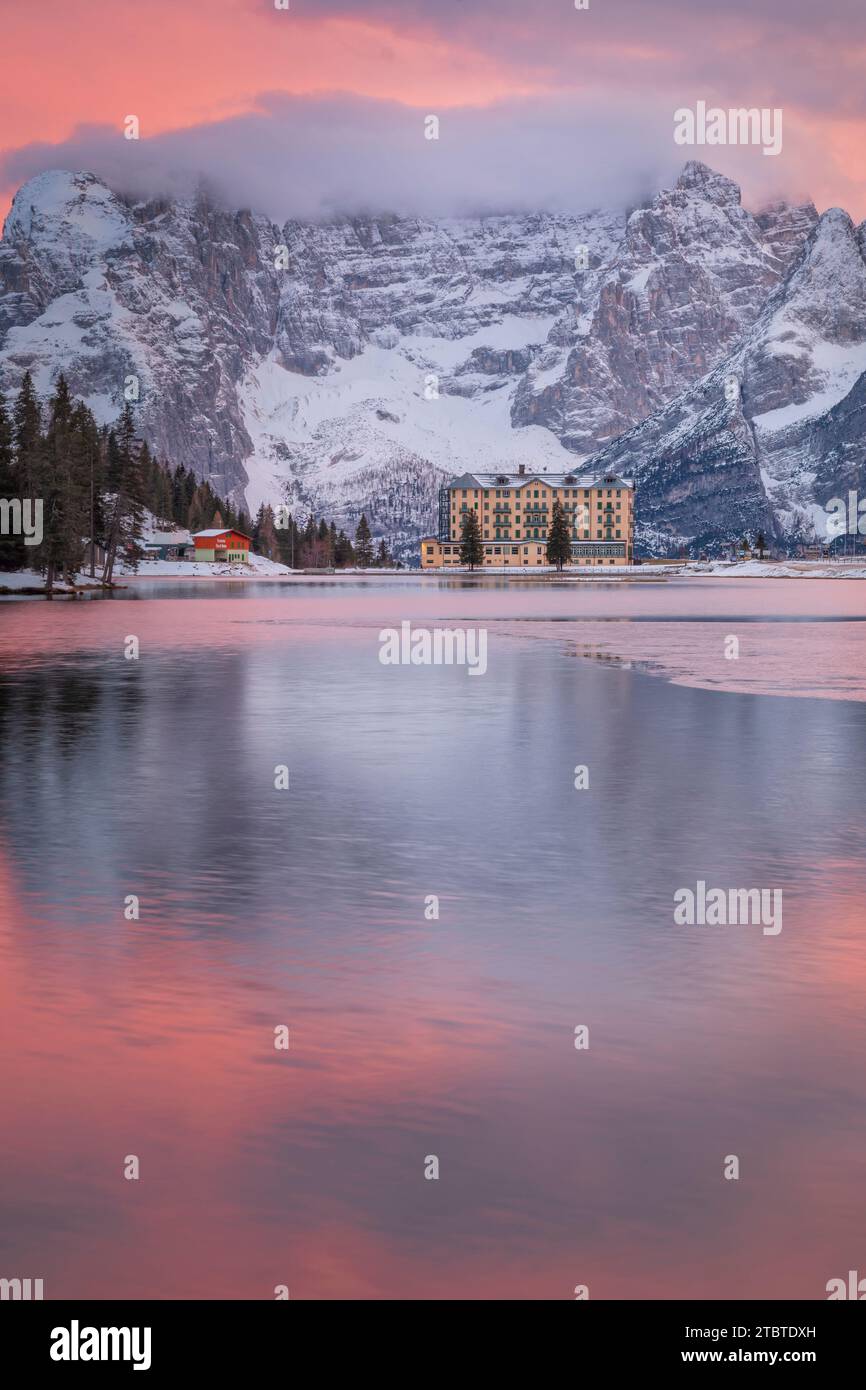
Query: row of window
column 537, row 509
column 590, row 549
column 602, row 532
column 537, row 492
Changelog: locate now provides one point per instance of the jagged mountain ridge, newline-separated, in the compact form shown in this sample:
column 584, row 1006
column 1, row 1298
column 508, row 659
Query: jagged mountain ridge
column 688, row 279
column 389, row 351
column 775, row 431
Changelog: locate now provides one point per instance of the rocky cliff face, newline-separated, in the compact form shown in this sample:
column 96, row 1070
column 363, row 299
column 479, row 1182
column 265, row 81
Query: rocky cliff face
column 775, row 431
column 349, row 365
column 179, row 296
column 688, row 279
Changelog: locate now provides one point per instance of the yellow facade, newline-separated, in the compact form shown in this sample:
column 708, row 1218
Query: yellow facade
column 514, row 513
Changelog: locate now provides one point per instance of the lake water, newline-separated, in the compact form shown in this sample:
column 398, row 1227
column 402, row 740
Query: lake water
column 410, row 1036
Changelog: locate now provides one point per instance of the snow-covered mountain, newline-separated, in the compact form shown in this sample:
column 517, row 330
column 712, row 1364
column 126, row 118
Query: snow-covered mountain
column 349, row 365
column 776, row 430
column 687, row 280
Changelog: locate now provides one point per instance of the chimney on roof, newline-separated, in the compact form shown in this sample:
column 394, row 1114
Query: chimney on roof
column 521, row 468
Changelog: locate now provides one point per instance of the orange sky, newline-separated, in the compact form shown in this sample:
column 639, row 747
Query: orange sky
column 179, row 65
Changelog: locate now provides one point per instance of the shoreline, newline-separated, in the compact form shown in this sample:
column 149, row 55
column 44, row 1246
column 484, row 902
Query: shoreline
column 655, row 573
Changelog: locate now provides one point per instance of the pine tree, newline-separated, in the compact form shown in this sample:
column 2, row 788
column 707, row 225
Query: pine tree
column 383, row 557
column 179, row 505
column 363, row 544
column 126, row 515
column 267, row 542
column 61, row 484
column 308, row 542
column 27, row 434
column 343, row 553
column 558, row 538
column 190, row 488
column 12, row 549
column 257, row 528
column 29, row 447
column 200, row 510
column 324, row 553
column 471, row 547
column 286, row 535
column 113, row 464
column 89, row 445
column 163, row 500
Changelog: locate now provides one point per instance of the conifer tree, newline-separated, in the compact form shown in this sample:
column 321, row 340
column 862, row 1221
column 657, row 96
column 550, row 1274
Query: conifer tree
column 12, row 549
column 323, row 545
column 363, row 544
column 344, row 553
column 471, row 547
column 163, row 500
column 286, row 535
column 61, row 483
column 257, row 527
column 200, row 510
column 308, row 542
column 27, row 434
column 267, row 539
column 190, row 488
column 90, row 465
column 179, row 502
column 558, row 538
column 28, row 445
column 113, row 464
column 126, row 515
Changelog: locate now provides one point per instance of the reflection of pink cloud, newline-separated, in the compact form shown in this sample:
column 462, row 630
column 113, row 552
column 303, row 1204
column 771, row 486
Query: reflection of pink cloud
column 604, row 1169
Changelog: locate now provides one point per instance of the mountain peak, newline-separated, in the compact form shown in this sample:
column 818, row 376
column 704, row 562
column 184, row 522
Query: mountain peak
column 696, row 177
column 63, row 196
column 833, row 222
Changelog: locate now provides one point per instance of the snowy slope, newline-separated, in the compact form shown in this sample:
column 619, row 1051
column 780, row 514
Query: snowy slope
column 791, row 438
column 385, row 352
column 377, row 433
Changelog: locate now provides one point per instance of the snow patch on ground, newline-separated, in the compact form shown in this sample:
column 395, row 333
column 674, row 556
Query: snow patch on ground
column 257, row 567
column 839, row 367
column 784, row 569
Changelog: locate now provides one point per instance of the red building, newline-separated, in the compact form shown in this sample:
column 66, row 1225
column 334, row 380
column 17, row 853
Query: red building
column 223, row 544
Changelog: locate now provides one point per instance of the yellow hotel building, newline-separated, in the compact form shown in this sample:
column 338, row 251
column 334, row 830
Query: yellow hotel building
column 514, row 514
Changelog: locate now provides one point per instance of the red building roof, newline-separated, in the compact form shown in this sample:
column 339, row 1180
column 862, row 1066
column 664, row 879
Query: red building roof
column 202, row 538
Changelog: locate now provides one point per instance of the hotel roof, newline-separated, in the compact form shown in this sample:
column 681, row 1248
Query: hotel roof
column 518, row 480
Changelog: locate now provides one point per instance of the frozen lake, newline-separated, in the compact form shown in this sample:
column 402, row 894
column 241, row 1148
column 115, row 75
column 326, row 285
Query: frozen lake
column 412, row 1035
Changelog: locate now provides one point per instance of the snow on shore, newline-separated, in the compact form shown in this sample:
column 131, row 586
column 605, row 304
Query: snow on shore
column 258, row 568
